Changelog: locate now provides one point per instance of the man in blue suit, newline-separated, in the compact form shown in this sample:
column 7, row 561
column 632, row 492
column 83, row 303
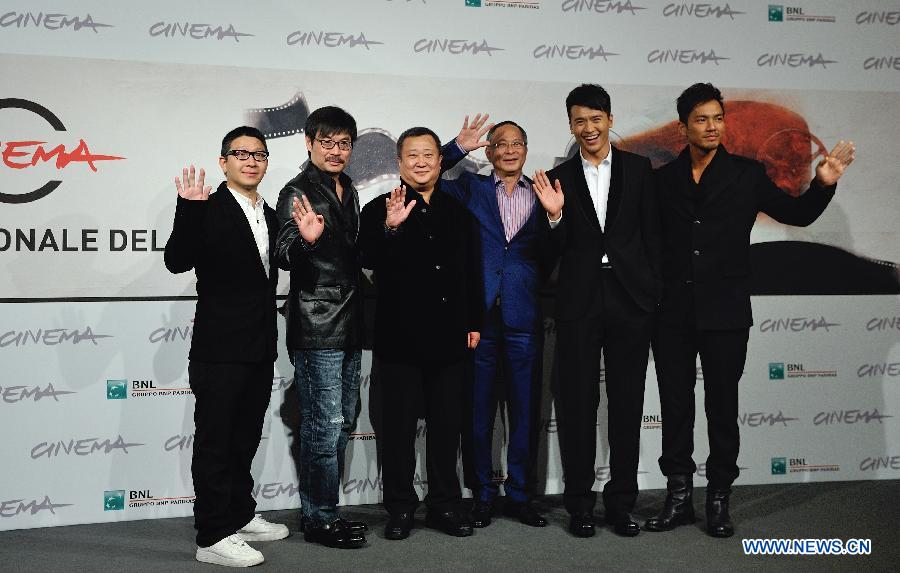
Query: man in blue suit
column 504, row 205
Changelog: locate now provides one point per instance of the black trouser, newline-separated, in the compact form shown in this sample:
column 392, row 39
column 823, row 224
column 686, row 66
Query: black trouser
column 231, row 402
column 403, row 387
column 722, row 355
column 622, row 331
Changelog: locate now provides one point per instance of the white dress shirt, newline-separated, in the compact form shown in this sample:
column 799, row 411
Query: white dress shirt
column 256, row 216
column 597, row 178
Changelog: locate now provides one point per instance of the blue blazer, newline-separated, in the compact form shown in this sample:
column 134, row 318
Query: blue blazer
column 510, row 270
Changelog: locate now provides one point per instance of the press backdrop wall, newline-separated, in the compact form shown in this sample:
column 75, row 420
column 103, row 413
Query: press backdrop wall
column 102, row 104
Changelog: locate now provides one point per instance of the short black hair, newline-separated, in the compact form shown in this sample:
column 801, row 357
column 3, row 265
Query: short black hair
column 694, row 96
column 242, row 131
column 490, row 134
column 328, row 121
column 417, row 132
column 588, row 95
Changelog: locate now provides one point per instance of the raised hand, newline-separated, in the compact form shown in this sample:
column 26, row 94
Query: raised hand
column 397, row 211
column 550, row 196
column 470, row 135
column 310, row 224
column 474, row 338
column 832, row 166
column 190, row 190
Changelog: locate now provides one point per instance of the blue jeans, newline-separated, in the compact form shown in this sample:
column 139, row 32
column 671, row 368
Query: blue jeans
column 328, row 384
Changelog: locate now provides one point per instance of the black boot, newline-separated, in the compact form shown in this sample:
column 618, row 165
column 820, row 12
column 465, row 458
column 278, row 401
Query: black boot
column 718, row 522
column 679, row 508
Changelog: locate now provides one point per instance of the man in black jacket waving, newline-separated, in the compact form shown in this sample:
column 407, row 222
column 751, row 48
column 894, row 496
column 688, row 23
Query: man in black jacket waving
column 228, row 237
column 709, row 200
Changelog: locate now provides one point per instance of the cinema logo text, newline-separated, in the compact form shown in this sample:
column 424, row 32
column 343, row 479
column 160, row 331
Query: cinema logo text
column 329, row 39
column 80, row 240
column 888, row 17
column 454, row 47
column 50, row 21
column 81, row 447
column 764, row 419
column 849, row 417
column 120, row 499
column 882, row 323
column 194, row 31
column 165, row 334
column 883, row 369
column 374, row 484
column 571, row 52
column 701, row 470
column 20, row 155
column 117, row 389
column 797, row 324
column 782, row 466
column 699, row 10
column 782, row 370
column 50, row 337
column 16, row 394
column 281, row 383
column 601, row 473
column 275, row 490
column 179, row 442
column 882, row 63
column 601, row 6
column 782, row 13
column 683, row 56
column 793, row 60
column 14, row 507
column 875, row 463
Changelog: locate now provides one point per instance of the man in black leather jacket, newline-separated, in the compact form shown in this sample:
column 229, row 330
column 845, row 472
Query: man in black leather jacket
column 319, row 215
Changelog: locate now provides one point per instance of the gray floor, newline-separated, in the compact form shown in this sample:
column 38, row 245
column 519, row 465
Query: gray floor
column 842, row 510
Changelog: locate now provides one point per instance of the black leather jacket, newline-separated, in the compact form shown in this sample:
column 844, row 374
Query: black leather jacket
column 324, row 308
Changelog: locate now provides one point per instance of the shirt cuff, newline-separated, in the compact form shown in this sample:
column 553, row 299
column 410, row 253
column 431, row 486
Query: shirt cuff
column 460, row 147
column 554, row 224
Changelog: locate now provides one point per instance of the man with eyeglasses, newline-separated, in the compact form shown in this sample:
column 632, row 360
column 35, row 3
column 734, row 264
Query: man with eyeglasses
column 319, row 215
column 228, row 238
column 509, row 226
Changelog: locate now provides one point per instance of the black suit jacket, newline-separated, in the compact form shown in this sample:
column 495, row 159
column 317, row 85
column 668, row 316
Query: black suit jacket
column 706, row 235
column 630, row 236
column 235, row 316
column 427, row 278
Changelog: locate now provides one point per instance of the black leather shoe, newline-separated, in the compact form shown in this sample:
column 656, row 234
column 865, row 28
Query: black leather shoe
column 525, row 512
column 481, row 513
column 718, row 522
column 334, row 534
column 678, row 509
column 450, row 522
column 623, row 523
column 582, row 525
column 398, row 526
column 355, row 526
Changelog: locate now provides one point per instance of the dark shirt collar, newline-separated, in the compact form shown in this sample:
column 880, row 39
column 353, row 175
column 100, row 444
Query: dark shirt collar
column 318, row 176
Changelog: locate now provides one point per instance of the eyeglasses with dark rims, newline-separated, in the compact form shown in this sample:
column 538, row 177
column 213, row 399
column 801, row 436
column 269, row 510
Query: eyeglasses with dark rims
column 343, row 145
column 244, row 155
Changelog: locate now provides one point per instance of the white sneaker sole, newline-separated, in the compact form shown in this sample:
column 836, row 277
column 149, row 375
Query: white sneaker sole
column 275, row 535
column 205, row 556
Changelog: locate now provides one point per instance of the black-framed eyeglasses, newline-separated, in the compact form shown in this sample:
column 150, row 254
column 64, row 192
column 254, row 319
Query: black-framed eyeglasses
column 343, row 145
column 244, row 155
column 516, row 145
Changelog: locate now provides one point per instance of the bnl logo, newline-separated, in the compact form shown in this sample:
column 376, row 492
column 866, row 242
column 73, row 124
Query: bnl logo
column 779, row 466
column 776, row 370
column 776, row 13
column 473, row 3
column 114, row 500
column 116, row 389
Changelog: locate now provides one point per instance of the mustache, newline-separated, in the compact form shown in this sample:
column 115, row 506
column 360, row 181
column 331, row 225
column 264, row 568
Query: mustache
column 336, row 158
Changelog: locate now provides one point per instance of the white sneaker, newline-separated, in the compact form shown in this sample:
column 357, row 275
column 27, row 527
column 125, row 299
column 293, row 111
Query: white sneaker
column 261, row 530
column 230, row 552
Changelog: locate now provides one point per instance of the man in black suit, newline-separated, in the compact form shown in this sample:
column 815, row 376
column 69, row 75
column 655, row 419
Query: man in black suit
column 607, row 293
column 709, row 200
column 424, row 248
column 227, row 237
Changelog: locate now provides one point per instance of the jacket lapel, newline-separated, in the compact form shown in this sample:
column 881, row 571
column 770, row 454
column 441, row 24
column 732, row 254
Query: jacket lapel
column 246, row 240
column 580, row 190
column 616, row 189
column 719, row 174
